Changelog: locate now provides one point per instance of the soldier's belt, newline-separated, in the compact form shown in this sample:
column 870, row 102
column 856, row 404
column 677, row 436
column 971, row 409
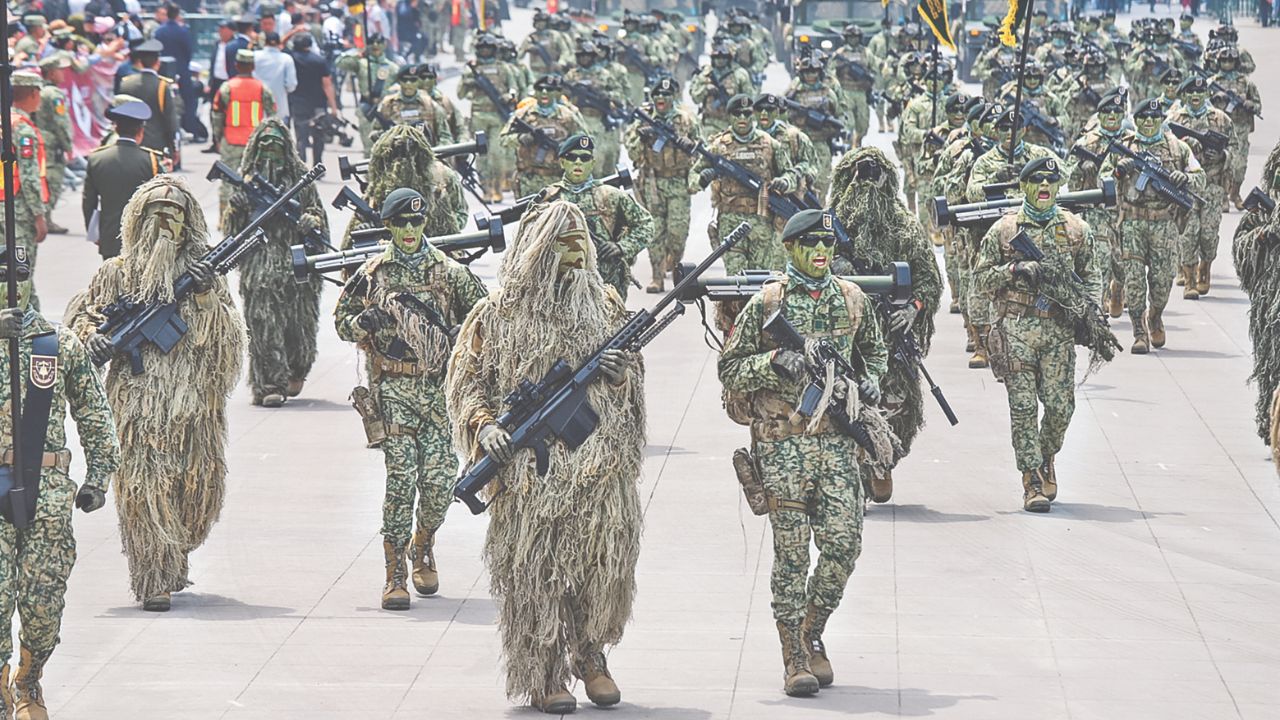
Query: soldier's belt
column 61, row 460
column 1162, row 213
column 394, row 368
column 667, row 174
column 1020, row 304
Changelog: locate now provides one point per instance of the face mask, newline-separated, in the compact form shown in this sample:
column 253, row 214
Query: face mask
column 572, row 250
column 1041, row 195
column 407, row 238
column 869, row 171
column 813, row 261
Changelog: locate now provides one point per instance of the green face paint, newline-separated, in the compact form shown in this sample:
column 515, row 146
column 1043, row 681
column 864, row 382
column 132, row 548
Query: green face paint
column 546, row 98
column 1111, row 121
column 1040, row 192
column 577, row 166
column 812, row 260
column 406, row 232
column 408, row 87
column 1148, row 126
column 742, row 121
column 1196, row 100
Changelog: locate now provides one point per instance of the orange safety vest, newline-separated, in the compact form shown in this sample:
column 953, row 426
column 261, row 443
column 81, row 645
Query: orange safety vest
column 25, row 151
column 244, row 110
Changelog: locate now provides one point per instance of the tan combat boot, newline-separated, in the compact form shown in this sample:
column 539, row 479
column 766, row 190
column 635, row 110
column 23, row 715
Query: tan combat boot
column 1155, row 325
column 1115, row 300
column 979, row 358
column 394, row 594
column 814, row 623
column 1202, row 277
column 1189, row 291
column 6, row 694
column 1049, row 478
column 599, row 684
column 28, row 696
column 1181, row 279
column 1033, row 499
column 798, row 679
column 882, row 487
column 971, row 338
column 659, row 276
column 1141, row 343
column 421, row 553
column 559, row 702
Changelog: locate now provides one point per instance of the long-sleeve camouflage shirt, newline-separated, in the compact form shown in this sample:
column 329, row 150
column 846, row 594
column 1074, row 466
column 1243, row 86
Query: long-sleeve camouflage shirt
column 1062, row 234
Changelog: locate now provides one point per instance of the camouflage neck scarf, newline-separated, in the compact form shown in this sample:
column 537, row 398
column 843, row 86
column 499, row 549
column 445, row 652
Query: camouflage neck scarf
column 743, row 138
column 1149, row 140
column 579, row 188
column 1204, row 108
column 1039, row 217
column 811, row 284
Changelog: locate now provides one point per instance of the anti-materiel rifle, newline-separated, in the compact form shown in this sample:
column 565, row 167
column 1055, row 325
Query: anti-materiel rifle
column 261, row 195
column 347, row 198
column 1208, row 139
column 620, row 180
column 1258, row 200
column 895, row 284
column 557, row 408
column 371, row 244
column 1152, row 174
column 984, row 213
column 131, row 324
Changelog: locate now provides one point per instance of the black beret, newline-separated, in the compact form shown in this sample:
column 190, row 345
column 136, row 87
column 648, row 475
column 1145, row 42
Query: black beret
column 739, row 102
column 1112, row 102
column 1044, row 164
column 957, row 102
column 1151, row 107
column 576, row 142
column 807, row 222
column 402, row 201
column 548, row 82
column 976, row 110
column 1195, row 83
column 1005, row 120
column 767, row 101
column 407, row 72
column 665, row 86
column 1172, row 75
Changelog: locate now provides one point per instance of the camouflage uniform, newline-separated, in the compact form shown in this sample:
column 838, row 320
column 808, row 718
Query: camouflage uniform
column 856, row 92
column 950, row 176
column 1199, row 246
column 36, row 562
column 384, row 73
column 55, row 128
column 804, row 162
column 607, row 140
column 613, row 216
column 33, row 191
column 1140, row 68
column 705, row 90
column 994, row 166
column 536, row 165
column 1244, row 123
column 417, row 109
column 824, row 98
column 418, row 450
column 545, row 51
column 767, row 159
column 1103, row 221
column 662, row 187
column 919, row 117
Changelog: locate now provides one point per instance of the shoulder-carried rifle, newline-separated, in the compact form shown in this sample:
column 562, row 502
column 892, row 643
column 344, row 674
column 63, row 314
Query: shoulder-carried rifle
column 1208, row 139
column 370, row 244
column 620, row 180
column 1258, row 200
column 491, row 91
column 261, row 195
column 131, row 324
column 984, row 213
column 546, row 143
column 557, row 408
column 1152, row 174
column 347, row 198
column 816, row 119
column 611, row 114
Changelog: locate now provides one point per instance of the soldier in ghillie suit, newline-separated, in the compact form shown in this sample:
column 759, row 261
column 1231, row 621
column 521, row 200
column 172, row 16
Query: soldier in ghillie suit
column 282, row 316
column 662, row 177
column 36, row 561
column 1256, row 251
column 402, row 157
column 882, row 231
column 809, row 469
column 1042, row 311
column 578, row 526
column 171, row 418
column 407, row 341
column 620, row 229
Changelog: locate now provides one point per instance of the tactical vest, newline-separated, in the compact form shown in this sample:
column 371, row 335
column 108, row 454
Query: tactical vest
column 757, row 156
column 818, row 99
column 19, row 119
column 244, row 109
column 670, row 161
column 494, row 72
column 527, row 155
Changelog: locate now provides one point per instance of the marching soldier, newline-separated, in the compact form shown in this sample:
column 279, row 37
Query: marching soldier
column 240, row 105
column 918, row 120
column 852, row 65
column 115, row 171
column 620, row 228
column 714, row 86
column 160, row 94
column 545, row 50
column 370, row 81
column 594, row 75
column 489, row 113
column 771, row 114
column 55, row 126
column 427, row 75
column 1231, row 76
column 1104, row 221
column 662, row 186
column 549, row 122
column 410, row 106
column 30, row 192
column 408, row 348
column 815, row 92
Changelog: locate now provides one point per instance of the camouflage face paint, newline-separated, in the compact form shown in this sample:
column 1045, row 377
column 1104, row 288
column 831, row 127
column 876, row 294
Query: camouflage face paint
column 812, row 260
column 577, row 166
column 1040, row 192
column 407, row 237
column 571, row 247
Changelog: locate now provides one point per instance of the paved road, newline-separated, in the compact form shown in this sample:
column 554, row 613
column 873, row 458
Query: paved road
column 1151, row 591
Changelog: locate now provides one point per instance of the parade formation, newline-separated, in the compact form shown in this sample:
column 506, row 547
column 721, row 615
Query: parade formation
column 1048, row 187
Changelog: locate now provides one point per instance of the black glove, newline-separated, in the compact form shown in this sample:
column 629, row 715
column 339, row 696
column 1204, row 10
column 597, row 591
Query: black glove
column 685, row 144
column 613, row 363
column 648, row 134
column 202, row 274
column 1126, row 167
column 608, row 251
column 780, row 185
column 374, row 318
column 496, row 441
column 100, row 348
column 11, row 322
column 90, row 498
column 1028, row 270
column 706, row 176
column 789, row 364
column 869, row 391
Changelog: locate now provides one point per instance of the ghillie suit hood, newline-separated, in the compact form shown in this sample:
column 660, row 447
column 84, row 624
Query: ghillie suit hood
column 402, row 157
column 171, row 419
column 283, row 316
column 561, row 549
column 1257, row 261
column 882, row 230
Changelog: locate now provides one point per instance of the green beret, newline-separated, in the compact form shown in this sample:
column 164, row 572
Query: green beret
column 408, row 72
column 576, row 142
column 402, row 201
column 1044, row 164
column 806, row 222
column 26, row 78
column 244, row 56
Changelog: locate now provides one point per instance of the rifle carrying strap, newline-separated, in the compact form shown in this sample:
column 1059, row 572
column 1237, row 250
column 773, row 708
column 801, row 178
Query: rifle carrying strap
column 38, row 403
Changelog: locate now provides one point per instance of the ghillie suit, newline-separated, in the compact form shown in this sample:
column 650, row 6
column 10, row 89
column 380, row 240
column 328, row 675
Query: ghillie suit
column 882, row 231
column 282, row 316
column 1257, row 261
column 561, row 549
column 171, row 418
column 402, row 157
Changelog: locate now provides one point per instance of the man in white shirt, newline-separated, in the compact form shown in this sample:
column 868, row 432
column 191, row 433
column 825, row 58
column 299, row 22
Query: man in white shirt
column 276, row 70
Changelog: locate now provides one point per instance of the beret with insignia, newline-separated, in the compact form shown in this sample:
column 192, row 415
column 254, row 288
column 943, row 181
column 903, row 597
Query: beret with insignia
column 1112, row 102
column 665, row 86
column 549, row 82
column 576, row 142
column 408, row 72
column 1044, row 164
column 806, row 222
column 738, row 103
column 767, row 101
column 1151, row 107
column 1194, row 84
column 403, row 201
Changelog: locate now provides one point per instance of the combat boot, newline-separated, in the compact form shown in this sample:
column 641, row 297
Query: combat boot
column 979, row 358
column 28, row 696
column 1049, row 479
column 1189, row 291
column 158, row 603
column 1141, row 343
column 395, row 596
column 295, row 387
column 421, row 552
column 882, row 487
column 1202, row 277
column 1033, row 499
column 814, row 623
column 560, row 702
column 798, row 679
column 659, row 278
column 1115, row 300
column 6, row 694
column 599, row 684
column 1181, row 278
column 971, row 338
column 1155, row 325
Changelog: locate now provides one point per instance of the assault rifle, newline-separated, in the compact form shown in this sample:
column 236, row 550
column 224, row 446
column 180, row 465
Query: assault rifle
column 1085, row 92
column 631, row 57
column 368, row 243
column 1025, row 246
column 557, row 406
column 814, row 118
column 1049, row 127
column 490, row 91
column 1189, row 50
column 856, row 71
column 477, row 146
column 620, row 180
column 586, row 96
column 1258, row 200
column 984, row 213
column 261, row 195
column 1158, row 64
column 132, row 324
column 1208, row 139
column 348, row 198
column 1233, row 100
column 1152, row 174
column 546, row 144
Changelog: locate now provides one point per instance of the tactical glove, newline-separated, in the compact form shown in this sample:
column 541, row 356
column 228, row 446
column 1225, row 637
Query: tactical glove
column 1126, row 167
column 613, row 363
column 496, row 442
column 90, row 498
column 202, row 275
column 780, row 185
column 374, row 318
column 1028, row 270
column 11, row 322
column 607, row 251
column 1179, row 178
column 789, row 364
column 869, row 391
column 706, row 176
column 100, row 348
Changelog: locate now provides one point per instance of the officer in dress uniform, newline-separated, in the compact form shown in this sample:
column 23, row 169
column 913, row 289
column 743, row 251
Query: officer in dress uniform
column 115, row 171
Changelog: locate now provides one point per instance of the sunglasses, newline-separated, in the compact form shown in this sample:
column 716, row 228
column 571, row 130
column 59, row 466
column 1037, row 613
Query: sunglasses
column 742, row 113
column 816, row 240
column 579, row 157
column 1037, row 178
column 401, row 221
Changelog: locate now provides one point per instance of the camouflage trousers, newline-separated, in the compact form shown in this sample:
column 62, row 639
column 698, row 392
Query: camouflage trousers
column 56, row 173
column 1148, row 248
column 907, row 155
column 231, row 155
column 34, row 566
column 1107, row 234
column 499, row 161
column 418, row 453
column 282, row 321
column 760, row 250
column 1238, row 162
column 608, row 144
column 951, row 256
column 1042, row 365
column 859, row 116
column 823, row 471
column 458, row 40
column 1199, row 239
column 977, row 301
column 821, row 168
column 667, row 200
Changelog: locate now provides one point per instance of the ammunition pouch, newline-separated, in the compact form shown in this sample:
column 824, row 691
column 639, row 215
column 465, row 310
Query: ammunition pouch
column 747, row 468
column 1019, row 304
column 384, row 366
column 998, row 351
column 375, row 429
